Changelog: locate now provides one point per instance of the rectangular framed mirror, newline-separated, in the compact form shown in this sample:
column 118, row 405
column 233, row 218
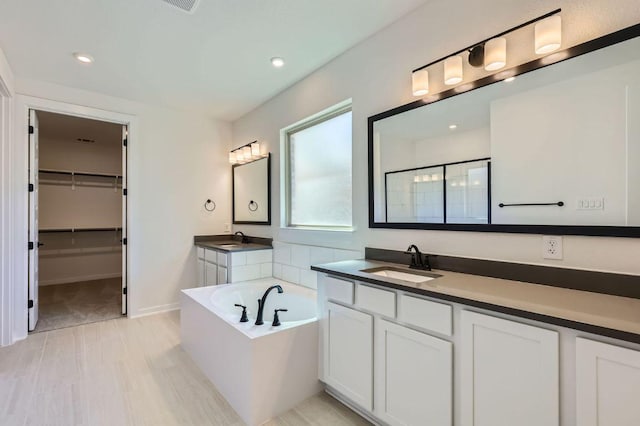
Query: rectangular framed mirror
column 554, row 151
column 252, row 192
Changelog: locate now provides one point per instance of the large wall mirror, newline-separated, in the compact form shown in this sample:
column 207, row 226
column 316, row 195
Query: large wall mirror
column 557, row 150
column 252, row 192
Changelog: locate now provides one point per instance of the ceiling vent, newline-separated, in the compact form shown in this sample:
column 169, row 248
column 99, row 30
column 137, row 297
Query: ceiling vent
column 186, row 5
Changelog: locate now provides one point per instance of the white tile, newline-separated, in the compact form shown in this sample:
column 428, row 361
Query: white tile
column 309, row 278
column 291, row 274
column 238, row 258
column 318, row 255
column 339, row 255
column 266, row 270
column 259, row 256
column 277, row 270
column 245, row 273
column 300, row 256
column 282, row 254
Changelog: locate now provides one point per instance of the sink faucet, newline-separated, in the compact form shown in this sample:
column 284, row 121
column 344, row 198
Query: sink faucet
column 418, row 260
column 262, row 302
column 245, row 239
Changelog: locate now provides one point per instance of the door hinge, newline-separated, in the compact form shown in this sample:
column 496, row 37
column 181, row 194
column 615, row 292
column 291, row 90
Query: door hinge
column 30, row 245
column 124, row 142
column 31, row 188
column 124, row 192
column 124, row 290
column 31, row 130
column 124, row 241
column 30, row 304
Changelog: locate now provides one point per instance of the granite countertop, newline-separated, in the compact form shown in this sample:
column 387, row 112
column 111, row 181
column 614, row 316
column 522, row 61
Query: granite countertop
column 231, row 243
column 613, row 316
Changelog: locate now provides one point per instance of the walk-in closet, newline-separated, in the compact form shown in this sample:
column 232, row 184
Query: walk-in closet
column 77, row 206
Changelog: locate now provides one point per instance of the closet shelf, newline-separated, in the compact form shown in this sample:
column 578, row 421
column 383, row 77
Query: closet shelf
column 74, row 173
column 45, row 231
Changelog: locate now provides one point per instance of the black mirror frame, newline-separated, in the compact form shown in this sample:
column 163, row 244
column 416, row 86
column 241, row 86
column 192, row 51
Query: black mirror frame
column 233, row 195
column 600, row 231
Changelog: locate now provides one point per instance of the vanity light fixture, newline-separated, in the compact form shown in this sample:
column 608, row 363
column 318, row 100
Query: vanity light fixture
column 83, row 58
column 246, row 153
column 453, row 70
column 420, row 82
column 255, row 150
column 548, row 35
column 232, row 158
column 489, row 54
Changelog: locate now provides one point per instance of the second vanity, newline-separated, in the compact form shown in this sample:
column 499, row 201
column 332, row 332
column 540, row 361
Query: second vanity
column 462, row 349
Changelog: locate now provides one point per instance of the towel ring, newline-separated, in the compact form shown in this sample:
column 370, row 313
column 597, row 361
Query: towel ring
column 251, row 204
column 209, row 205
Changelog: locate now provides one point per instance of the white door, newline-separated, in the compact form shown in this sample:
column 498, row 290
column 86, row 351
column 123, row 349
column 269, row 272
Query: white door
column 125, row 136
column 509, row 373
column 222, row 275
column 33, row 220
column 211, row 273
column 349, row 354
column 201, row 272
column 413, row 376
column 607, row 385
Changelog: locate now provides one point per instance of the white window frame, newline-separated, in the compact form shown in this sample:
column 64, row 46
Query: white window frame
column 285, row 166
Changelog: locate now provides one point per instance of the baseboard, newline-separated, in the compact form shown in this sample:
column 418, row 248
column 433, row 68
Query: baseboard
column 79, row 279
column 153, row 310
column 352, row 406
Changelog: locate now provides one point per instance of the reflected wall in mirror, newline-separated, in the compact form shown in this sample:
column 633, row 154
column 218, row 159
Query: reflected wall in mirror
column 567, row 132
column 252, row 192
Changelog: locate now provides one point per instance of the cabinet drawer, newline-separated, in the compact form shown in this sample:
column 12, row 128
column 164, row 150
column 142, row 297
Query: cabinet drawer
column 376, row 300
column 339, row 290
column 425, row 314
column 200, row 252
column 210, row 256
column 222, row 259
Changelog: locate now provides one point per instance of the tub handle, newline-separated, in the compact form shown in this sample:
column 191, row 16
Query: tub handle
column 243, row 318
column 276, row 320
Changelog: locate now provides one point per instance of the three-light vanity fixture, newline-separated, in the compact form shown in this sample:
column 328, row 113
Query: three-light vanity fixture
column 489, row 54
column 246, row 154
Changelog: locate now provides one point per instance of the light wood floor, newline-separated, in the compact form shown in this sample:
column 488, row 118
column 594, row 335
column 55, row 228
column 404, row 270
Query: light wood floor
column 125, row 372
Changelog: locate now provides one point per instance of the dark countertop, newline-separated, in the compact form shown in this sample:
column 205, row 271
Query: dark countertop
column 613, row 316
column 232, row 243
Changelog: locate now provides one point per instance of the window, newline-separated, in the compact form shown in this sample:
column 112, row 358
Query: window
column 318, row 171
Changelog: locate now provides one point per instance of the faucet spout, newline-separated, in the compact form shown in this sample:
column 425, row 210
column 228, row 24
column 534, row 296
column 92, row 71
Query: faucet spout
column 245, row 239
column 418, row 260
column 263, row 301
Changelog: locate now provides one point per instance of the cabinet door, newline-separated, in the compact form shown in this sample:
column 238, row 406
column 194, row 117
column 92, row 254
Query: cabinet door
column 201, row 273
column 509, row 373
column 607, row 385
column 222, row 275
column 348, row 354
column 211, row 273
column 413, row 376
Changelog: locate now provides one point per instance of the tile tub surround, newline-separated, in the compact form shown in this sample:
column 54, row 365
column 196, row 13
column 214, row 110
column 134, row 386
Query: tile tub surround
column 292, row 262
column 606, row 315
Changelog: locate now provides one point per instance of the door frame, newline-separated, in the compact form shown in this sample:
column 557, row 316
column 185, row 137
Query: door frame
column 6, row 225
column 20, row 183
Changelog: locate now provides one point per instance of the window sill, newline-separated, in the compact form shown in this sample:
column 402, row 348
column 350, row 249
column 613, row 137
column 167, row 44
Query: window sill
column 318, row 228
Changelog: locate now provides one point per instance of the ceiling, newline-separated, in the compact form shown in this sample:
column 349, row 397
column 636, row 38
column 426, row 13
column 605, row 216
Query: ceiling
column 67, row 127
column 215, row 60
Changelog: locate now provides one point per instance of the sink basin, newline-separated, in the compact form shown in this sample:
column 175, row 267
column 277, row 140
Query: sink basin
column 228, row 246
column 402, row 274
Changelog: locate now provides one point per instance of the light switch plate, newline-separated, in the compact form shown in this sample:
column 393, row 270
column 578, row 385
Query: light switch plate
column 552, row 247
column 227, row 227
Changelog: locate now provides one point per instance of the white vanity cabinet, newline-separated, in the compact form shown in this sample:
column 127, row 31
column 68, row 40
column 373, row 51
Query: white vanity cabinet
column 414, row 375
column 607, row 384
column 220, row 267
column 509, row 373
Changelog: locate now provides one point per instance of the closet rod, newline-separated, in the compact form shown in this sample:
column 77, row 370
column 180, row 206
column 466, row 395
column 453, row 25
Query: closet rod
column 70, row 173
column 47, row 231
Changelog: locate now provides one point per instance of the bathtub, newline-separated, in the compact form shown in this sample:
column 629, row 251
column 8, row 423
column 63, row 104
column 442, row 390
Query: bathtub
column 262, row 371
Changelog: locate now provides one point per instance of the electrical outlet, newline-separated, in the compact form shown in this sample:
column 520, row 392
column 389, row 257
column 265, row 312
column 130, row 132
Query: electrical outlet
column 551, row 247
column 227, row 227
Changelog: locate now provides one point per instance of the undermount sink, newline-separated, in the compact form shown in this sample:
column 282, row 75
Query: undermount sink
column 402, row 274
column 229, row 245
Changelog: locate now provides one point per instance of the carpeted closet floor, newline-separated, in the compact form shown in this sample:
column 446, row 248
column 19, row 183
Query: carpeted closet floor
column 68, row 305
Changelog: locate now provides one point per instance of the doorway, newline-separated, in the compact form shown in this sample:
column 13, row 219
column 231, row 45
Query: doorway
column 77, row 220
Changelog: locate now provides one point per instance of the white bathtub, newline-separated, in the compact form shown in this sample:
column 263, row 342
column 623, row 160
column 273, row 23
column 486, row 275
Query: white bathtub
column 262, row 371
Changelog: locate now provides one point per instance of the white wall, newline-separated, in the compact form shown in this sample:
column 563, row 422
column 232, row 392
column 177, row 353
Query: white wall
column 176, row 161
column 376, row 75
column 6, row 115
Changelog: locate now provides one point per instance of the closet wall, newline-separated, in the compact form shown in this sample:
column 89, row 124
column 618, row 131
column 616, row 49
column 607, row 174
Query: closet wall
column 80, row 188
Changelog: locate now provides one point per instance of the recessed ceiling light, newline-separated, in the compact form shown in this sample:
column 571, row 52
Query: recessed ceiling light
column 277, row 62
column 509, row 80
column 453, row 127
column 83, row 57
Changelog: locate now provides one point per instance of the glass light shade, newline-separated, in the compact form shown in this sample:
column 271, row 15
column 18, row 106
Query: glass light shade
column 239, row 156
column 255, row 149
column 453, row 70
column 548, row 35
column 232, row 158
column 420, row 82
column 246, row 153
column 495, row 54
